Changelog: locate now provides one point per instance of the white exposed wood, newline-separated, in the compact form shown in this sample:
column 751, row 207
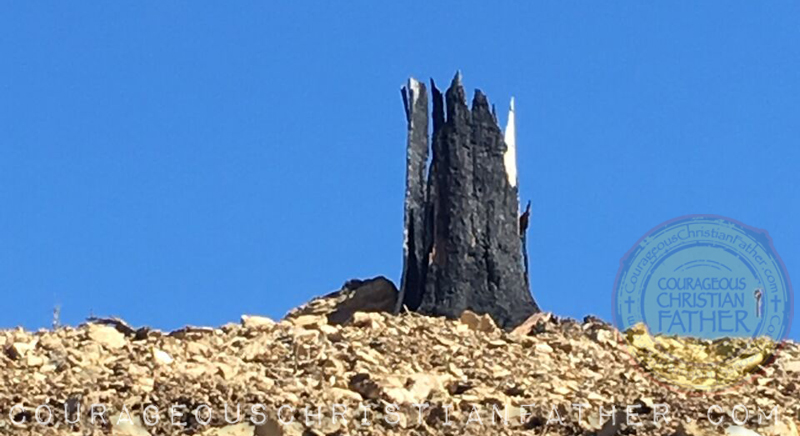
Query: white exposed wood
column 413, row 92
column 510, row 157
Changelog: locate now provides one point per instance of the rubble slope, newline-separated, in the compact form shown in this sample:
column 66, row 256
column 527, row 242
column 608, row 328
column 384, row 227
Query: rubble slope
column 471, row 374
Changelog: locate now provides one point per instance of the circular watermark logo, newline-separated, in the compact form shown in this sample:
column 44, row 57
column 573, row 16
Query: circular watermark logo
column 702, row 302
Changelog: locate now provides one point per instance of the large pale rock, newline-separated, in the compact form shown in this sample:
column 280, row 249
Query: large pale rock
column 106, row 336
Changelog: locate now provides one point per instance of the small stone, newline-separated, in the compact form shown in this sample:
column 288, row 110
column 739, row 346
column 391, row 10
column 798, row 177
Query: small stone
column 367, row 319
column 534, row 324
column 227, row 371
column 736, row 430
column 162, row 357
column 481, row 323
column 146, row 384
column 309, row 321
column 604, row 336
column 367, row 355
column 197, row 349
column 455, row 370
column 134, row 427
column 347, row 393
column 416, row 388
column 497, row 343
column 792, row 366
column 274, row 428
column 691, row 429
column 592, row 396
column 257, row 322
column 781, row 428
column 34, row 361
column 562, row 390
column 17, row 350
column 329, row 330
column 364, row 385
column 241, row 429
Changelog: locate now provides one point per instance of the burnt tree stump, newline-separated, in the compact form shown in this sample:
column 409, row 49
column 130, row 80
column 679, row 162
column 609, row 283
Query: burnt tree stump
column 462, row 242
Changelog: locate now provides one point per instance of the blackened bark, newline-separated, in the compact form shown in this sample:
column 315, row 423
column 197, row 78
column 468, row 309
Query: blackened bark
column 464, row 249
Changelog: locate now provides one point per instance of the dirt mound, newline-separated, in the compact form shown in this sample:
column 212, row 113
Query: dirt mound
column 370, row 376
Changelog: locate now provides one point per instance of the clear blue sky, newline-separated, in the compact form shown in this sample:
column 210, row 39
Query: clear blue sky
column 186, row 162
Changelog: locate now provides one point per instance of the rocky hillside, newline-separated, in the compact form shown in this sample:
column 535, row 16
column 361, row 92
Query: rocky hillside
column 365, row 373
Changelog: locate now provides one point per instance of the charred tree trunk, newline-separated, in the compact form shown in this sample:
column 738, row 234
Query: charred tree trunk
column 463, row 248
column 416, row 221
